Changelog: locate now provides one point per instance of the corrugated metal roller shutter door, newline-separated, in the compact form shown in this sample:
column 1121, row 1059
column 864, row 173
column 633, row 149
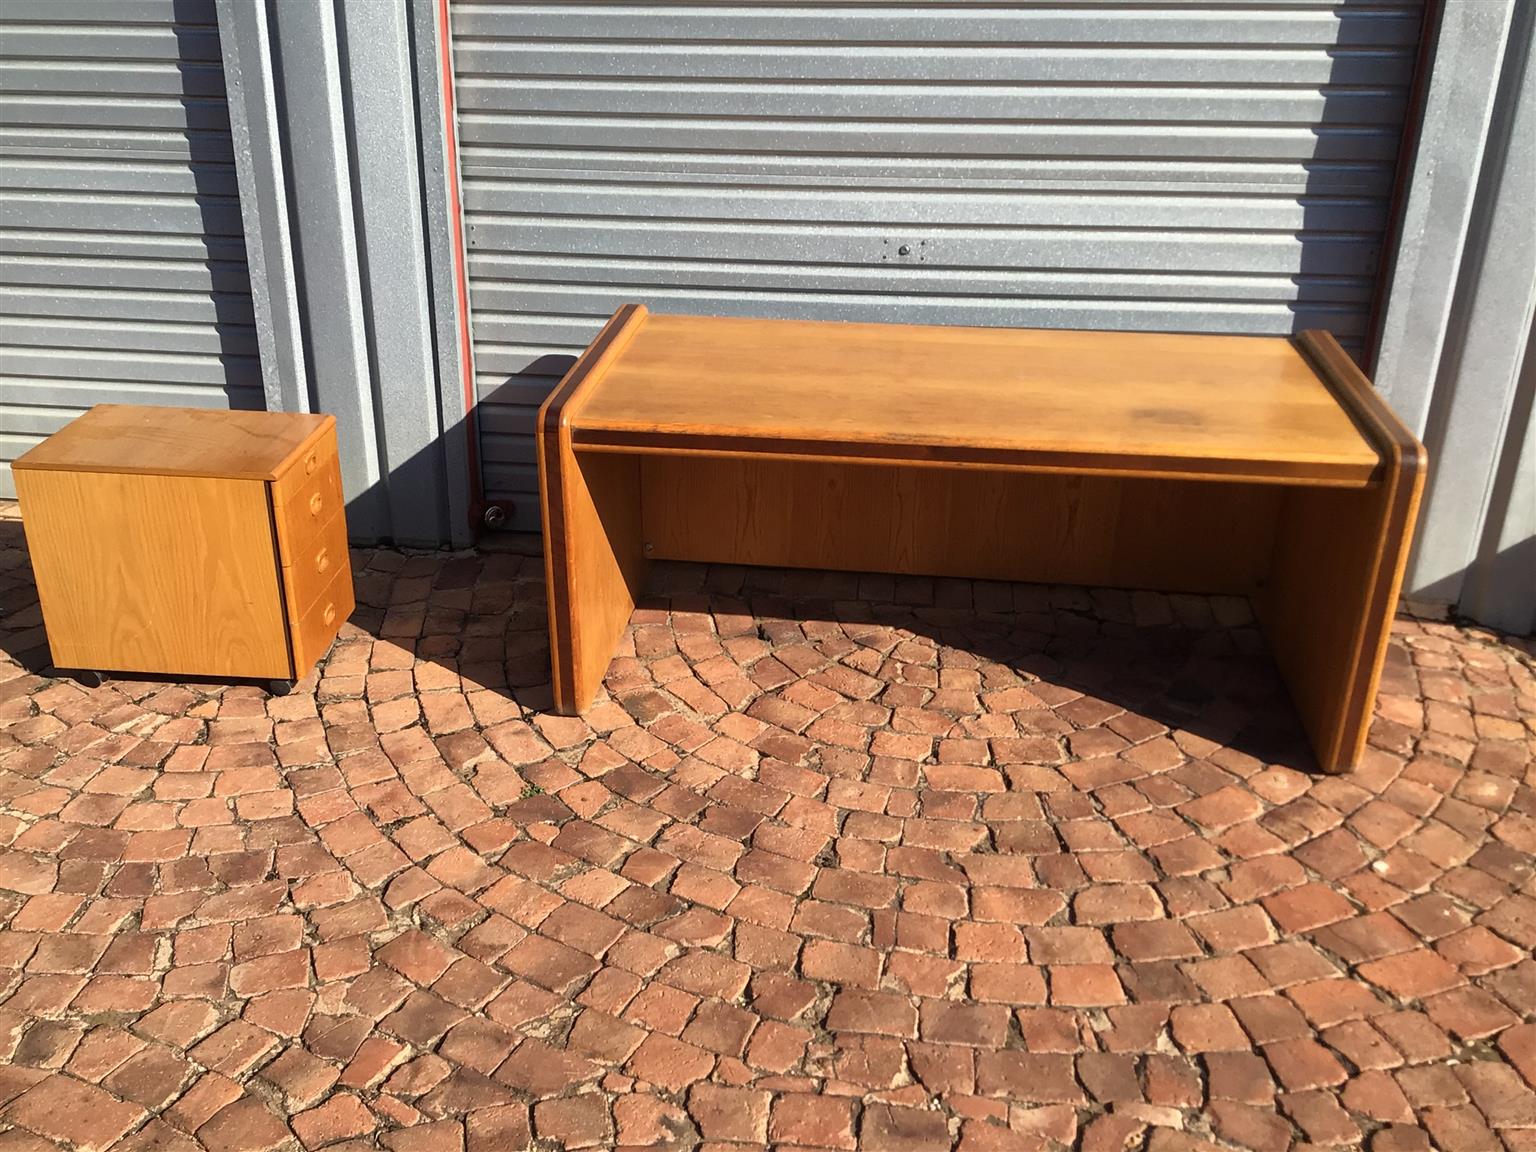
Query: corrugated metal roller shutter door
column 122, row 260
column 1220, row 167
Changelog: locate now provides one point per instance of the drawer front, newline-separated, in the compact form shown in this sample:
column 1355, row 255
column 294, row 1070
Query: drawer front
column 307, row 497
column 318, row 556
column 307, row 466
column 316, row 626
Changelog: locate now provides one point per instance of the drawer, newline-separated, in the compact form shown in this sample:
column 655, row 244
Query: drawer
column 306, row 497
column 313, row 628
column 315, row 561
column 305, row 467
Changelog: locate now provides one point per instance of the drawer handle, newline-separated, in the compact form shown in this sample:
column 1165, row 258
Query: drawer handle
column 311, row 462
column 322, row 560
column 316, row 502
column 329, row 615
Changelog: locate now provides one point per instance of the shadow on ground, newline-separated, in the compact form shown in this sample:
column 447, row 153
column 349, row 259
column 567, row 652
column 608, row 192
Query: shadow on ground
column 1194, row 663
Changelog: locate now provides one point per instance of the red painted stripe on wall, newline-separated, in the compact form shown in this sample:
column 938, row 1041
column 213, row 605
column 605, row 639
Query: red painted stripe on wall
column 460, row 262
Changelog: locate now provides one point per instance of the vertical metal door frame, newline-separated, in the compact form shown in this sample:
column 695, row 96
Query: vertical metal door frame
column 381, row 113
column 432, row 47
column 1456, row 332
column 245, row 42
column 327, row 249
column 1452, row 139
column 348, row 183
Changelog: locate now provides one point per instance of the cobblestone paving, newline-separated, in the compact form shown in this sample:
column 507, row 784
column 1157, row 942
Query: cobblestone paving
column 841, row 863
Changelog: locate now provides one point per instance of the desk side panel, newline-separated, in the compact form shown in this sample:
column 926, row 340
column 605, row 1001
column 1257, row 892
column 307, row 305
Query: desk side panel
column 1316, row 614
column 596, row 567
column 1337, row 571
column 160, row 574
column 590, row 510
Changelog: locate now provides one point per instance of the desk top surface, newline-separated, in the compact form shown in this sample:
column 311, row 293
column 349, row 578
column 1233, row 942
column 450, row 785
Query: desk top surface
column 155, row 441
column 1245, row 407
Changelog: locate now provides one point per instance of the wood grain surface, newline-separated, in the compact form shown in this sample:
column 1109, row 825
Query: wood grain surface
column 1177, row 536
column 314, row 628
column 1136, row 403
column 1337, row 571
column 593, row 560
column 305, row 502
column 156, row 441
column 311, row 528
column 160, row 574
column 315, row 563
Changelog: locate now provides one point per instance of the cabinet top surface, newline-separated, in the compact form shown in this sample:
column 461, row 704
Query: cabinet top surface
column 178, row 442
column 1129, row 400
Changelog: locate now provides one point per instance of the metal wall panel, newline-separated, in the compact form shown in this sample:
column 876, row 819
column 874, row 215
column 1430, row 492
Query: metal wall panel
column 1457, row 357
column 343, row 171
column 122, row 258
column 1225, row 167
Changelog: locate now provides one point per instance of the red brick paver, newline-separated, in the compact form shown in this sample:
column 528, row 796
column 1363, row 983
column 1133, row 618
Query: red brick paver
column 839, row 862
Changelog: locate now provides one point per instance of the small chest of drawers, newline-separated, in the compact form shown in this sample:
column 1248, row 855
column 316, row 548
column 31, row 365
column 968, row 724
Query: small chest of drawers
column 188, row 542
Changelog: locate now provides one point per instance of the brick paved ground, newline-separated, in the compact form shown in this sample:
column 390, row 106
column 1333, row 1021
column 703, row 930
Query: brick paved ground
column 890, row 865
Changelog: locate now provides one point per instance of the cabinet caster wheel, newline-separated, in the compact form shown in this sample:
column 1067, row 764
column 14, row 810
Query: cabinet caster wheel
column 279, row 687
column 90, row 679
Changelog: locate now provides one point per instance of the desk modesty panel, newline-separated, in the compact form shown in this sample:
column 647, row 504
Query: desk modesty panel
column 1258, row 466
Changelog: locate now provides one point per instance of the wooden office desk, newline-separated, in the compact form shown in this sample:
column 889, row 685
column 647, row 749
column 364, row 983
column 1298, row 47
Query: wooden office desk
column 1256, row 466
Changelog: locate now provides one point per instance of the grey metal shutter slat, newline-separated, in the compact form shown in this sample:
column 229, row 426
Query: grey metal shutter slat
column 162, row 12
column 228, row 279
column 120, row 143
column 146, row 177
column 481, row 96
column 1064, row 140
column 850, row 28
column 508, row 201
column 508, row 281
column 1136, row 174
column 69, row 211
column 918, row 63
column 87, row 376
column 123, row 243
column 199, row 310
column 1226, row 167
column 143, row 334
column 112, row 77
column 109, row 38
column 112, row 111
column 122, row 257
column 1109, row 249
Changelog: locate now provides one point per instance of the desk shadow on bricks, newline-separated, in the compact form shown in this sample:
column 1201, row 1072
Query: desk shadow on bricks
column 1090, row 681
column 1040, row 680
column 1044, row 684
